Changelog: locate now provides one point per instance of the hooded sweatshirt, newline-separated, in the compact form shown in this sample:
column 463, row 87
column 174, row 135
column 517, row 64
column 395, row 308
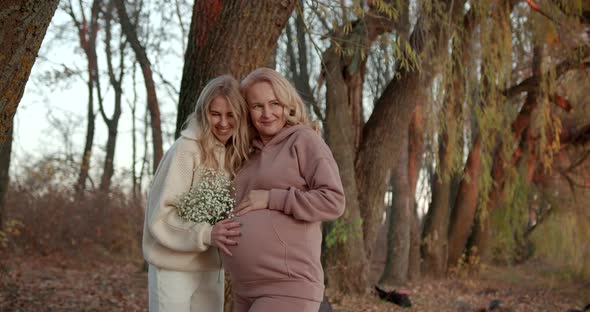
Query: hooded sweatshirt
column 279, row 250
column 169, row 242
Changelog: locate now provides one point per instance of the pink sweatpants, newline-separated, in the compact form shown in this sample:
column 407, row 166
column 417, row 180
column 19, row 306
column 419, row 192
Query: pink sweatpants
column 274, row 303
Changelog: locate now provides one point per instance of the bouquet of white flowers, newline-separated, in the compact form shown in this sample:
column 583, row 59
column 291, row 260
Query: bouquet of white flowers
column 210, row 200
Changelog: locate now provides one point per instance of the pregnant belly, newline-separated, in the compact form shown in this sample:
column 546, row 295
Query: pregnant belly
column 261, row 254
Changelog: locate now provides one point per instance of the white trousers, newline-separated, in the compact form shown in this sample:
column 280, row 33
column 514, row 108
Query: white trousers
column 177, row 291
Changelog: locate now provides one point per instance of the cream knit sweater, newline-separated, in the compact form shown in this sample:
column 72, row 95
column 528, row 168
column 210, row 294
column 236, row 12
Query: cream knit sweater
column 168, row 241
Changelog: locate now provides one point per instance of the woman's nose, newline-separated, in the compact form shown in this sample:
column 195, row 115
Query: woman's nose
column 223, row 121
column 266, row 111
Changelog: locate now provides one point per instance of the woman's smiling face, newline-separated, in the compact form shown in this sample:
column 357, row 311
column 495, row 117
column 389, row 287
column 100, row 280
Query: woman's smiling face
column 221, row 118
column 267, row 114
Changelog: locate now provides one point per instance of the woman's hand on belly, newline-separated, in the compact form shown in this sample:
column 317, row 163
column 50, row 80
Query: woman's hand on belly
column 254, row 200
column 222, row 232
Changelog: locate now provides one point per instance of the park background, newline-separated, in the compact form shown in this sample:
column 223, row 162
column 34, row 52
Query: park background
column 460, row 128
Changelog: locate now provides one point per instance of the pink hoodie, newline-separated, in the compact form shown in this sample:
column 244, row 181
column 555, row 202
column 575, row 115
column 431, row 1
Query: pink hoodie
column 279, row 250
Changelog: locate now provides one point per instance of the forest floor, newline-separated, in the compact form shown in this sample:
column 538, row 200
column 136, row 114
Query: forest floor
column 100, row 282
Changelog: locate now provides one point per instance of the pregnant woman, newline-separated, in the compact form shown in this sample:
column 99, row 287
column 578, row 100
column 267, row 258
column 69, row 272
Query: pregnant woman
column 289, row 184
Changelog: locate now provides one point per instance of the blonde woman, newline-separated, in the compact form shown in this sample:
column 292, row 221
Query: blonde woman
column 289, row 184
column 185, row 272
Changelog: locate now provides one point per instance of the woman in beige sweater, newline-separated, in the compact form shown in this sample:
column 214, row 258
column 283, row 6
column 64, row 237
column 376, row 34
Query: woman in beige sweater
column 184, row 262
column 288, row 186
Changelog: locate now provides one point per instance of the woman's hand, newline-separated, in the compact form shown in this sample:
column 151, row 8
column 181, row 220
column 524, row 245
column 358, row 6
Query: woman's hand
column 221, row 233
column 255, row 200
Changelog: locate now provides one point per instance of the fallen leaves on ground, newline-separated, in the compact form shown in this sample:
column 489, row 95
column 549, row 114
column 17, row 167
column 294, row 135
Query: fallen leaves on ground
column 92, row 283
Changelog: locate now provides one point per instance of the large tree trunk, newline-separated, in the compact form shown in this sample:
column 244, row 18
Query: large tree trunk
column 380, row 146
column 415, row 151
column 347, row 264
column 23, row 25
column 348, row 261
column 152, row 99
column 228, row 37
column 398, row 234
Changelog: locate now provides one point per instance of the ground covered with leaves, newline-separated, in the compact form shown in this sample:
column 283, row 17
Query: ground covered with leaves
column 98, row 282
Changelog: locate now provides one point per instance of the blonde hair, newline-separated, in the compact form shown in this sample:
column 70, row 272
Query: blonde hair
column 237, row 147
column 285, row 93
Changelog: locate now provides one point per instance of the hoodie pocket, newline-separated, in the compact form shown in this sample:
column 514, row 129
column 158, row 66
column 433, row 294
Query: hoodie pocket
column 294, row 235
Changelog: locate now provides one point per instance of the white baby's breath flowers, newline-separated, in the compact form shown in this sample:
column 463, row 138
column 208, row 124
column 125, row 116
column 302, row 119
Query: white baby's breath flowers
column 210, row 200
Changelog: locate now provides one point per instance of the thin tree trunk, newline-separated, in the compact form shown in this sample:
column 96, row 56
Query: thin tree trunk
column 133, row 108
column 113, row 122
column 87, row 33
column 5, row 153
column 465, row 205
column 225, row 37
column 22, row 28
column 152, row 100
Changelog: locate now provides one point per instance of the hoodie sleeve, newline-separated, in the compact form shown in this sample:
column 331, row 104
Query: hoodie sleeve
column 174, row 177
column 324, row 198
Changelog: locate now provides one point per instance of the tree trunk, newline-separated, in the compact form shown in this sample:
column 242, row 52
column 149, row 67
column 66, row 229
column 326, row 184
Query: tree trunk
column 226, row 36
column 465, row 205
column 398, row 234
column 113, row 122
column 415, row 150
column 133, row 108
column 23, row 25
column 460, row 59
column 380, row 146
column 5, row 153
column 519, row 127
column 347, row 263
column 434, row 238
column 152, row 99
column 87, row 32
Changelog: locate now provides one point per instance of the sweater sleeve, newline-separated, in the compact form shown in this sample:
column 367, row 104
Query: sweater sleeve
column 323, row 200
column 173, row 179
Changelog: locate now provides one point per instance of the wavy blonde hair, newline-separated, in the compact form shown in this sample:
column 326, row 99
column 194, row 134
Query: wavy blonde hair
column 237, row 147
column 285, row 93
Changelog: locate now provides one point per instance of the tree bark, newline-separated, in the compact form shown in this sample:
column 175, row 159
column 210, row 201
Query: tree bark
column 434, row 238
column 23, row 24
column 228, row 37
column 415, row 151
column 5, row 153
column 398, row 234
column 347, row 263
column 152, row 99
